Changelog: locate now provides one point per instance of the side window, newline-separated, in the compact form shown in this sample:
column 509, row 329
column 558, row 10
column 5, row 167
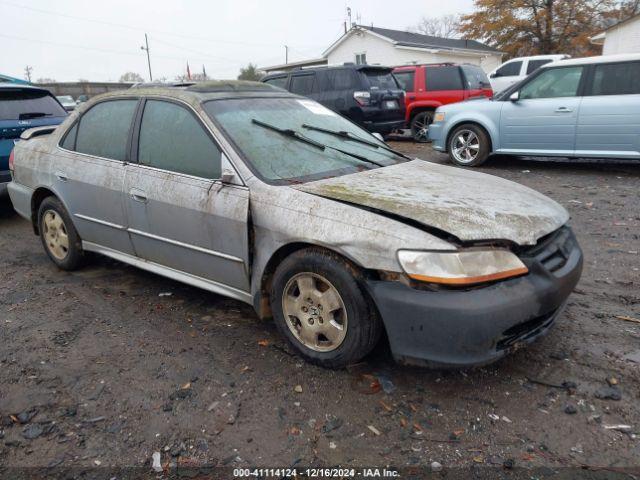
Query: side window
column 536, row 64
column 339, row 79
column 104, row 130
column 405, row 79
column 616, row 79
column 69, row 142
column 172, row 139
column 511, row 69
column 443, row 78
column 280, row 82
column 302, row 84
column 553, row 83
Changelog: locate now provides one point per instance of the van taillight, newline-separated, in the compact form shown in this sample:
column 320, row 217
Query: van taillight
column 11, row 160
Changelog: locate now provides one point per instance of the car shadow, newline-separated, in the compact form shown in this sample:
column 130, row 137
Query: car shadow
column 6, row 208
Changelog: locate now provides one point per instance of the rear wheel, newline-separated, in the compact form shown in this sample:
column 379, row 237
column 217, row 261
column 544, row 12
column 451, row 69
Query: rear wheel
column 420, row 126
column 469, row 145
column 321, row 309
column 59, row 237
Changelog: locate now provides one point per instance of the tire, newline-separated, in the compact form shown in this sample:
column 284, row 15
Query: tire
column 298, row 283
column 473, row 135
column 420, row 125
column 54, row 225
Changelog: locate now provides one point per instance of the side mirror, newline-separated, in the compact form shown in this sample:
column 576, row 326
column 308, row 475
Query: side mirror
column 378, row 136
column 515, row 96
column 227, row 175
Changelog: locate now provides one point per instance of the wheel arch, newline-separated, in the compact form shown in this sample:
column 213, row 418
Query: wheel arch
column 261, row 298
column 37, row 198
column 470, row 122
column 416, row 109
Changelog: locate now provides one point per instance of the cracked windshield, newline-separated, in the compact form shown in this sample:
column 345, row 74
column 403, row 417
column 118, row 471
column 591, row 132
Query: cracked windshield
column 289, row 140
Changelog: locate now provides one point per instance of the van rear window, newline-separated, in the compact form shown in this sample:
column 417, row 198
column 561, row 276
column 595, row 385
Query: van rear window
column 381, row 79
column 24, row 105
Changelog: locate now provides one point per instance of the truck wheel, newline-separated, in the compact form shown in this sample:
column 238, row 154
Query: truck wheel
column 469, row 145
column 420, row 126
column 321, row 309
column 59, row 237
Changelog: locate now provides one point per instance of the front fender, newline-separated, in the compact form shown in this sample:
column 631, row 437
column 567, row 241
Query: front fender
column 490, row 122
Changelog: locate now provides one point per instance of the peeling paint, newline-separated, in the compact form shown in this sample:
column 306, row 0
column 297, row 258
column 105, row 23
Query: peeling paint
column 468, row 205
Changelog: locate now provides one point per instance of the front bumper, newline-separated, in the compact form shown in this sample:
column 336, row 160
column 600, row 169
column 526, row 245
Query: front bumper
column 462, row 328
column 437, row 136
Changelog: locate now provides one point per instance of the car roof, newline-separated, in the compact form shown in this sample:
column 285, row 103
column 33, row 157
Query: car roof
column 19, row 86
column 199, row 92
column 624, row 57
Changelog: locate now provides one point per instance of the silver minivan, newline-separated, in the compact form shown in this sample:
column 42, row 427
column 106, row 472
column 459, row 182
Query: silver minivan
column 270, row 198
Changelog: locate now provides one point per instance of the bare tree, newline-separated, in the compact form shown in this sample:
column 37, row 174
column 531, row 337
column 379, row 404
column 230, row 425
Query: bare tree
column 27, row 73
column 131, row 77
column 446, row 26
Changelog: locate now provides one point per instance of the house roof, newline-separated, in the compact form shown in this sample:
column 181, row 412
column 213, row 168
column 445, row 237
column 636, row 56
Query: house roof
column 418, row 40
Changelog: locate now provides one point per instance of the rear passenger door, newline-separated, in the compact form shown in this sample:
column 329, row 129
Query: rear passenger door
column 444, row 84
column 88, row 172
column 181, row 215
column 609, row 118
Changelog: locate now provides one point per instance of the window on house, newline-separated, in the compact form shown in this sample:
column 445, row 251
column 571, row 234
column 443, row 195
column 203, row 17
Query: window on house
column 361, row 58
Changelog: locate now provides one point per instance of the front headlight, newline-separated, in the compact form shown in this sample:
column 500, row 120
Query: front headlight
column 461, row 268
column 438, row 117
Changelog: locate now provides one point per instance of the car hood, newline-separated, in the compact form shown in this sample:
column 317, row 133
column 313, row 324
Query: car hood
column 469, row 205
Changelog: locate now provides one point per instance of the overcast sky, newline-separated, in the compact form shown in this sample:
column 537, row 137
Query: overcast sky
column 100, row 40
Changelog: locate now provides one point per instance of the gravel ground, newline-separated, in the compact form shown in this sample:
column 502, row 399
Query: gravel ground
column 97, row 367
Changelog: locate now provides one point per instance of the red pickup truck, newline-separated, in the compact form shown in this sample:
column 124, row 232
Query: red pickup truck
column 431, row 85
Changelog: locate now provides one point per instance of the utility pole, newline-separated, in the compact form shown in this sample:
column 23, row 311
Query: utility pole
column 286, row 54
column 146, row 41
column 27, row 73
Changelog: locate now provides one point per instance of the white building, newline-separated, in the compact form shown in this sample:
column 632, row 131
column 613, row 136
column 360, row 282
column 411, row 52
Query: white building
column 623, row 37
column 382, row 46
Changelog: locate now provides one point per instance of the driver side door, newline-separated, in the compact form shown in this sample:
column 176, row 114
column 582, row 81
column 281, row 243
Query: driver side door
column 543, row 119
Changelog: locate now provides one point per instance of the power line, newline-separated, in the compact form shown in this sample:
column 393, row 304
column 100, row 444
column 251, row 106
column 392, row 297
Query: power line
column 131, row 27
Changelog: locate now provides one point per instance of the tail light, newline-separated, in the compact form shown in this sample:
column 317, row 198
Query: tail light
column 363, row 98
column 11, row 160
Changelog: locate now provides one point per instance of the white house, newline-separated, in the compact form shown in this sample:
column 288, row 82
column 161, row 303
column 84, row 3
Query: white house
column 383, row 46
column 623, row 37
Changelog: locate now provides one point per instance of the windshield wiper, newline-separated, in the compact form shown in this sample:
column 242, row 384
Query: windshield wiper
column 26, row 116
column 354, row 138
column 287, row 132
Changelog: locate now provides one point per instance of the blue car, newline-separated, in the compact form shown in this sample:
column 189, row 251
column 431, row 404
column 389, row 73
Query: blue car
column 23, row 107
column 585, row 107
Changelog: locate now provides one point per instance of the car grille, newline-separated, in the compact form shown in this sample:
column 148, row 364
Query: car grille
column 554, row 250
column 525, row 330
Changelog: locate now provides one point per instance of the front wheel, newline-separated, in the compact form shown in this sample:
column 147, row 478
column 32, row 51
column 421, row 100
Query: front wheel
column 468, row 145
column 321, row 309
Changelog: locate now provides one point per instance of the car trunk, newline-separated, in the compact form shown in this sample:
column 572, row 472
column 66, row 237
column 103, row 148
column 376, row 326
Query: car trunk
column 21, row 109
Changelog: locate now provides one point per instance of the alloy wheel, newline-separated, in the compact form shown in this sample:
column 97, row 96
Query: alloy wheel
column 421, row 127
column 465, row 146
column 55, row 234
column 314, row 312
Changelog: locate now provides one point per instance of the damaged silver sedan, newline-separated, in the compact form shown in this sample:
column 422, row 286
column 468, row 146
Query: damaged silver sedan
column 251, row 192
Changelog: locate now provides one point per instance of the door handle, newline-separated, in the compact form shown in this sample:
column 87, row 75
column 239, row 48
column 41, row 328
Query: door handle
column 61, row 176
column 563, row 110
column 138, row 195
